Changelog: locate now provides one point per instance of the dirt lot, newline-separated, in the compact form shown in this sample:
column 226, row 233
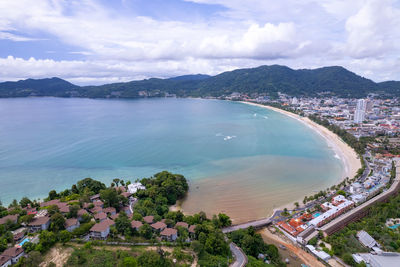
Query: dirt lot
column 291, row 250
column 58, row 255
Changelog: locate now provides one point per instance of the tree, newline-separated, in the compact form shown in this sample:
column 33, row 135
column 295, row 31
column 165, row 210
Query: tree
column 296, row 204
column 64, row 236
column 47, row 239
column 93, row 185
column 34, row 259
column 73, row 211
column 116, row 181
column 146, row 231
column 57, row 222
column 53, row 209
column 24, row 202
column 110, row 197
column 123, row 224
column 53, row 195
column 26, row 218
column 224, row 220
column 129, row 262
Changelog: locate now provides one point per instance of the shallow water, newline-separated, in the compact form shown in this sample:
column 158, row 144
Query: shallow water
column 240, row 159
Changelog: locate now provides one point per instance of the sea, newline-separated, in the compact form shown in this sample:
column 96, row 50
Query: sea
column 239, row 159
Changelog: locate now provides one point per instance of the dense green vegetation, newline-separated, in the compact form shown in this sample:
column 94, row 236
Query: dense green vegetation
column 345, row 242
column 252, row 244
column 262, row 80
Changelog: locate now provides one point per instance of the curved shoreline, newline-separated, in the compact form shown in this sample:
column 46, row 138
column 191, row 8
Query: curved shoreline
column 349, row 158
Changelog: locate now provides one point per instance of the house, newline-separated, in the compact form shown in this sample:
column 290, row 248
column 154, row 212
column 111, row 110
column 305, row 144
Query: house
column 110, row 210
column 96, row 210
column 50, row 203
column 120, row 189
column 148, row 219
column 115, row 216
column 101, row 230
column 158, row 226
column 127, row 210
column 39, row 223
column 14, row 253
column 169, row 234
column 71, row 224
column 81, row 212
column 95, row 197
column 5, row 261
column 182, row 224
column 133, row 188
column 11, row 218
column 98, row 203
column 365, row 239
column 100, row 216
column 136, row 225
column 192, row 231
column 63, row 207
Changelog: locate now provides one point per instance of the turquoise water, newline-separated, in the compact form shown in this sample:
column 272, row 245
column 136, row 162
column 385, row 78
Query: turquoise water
column 394, row 226
column 24, row 241
column 315, row 215
column 238, row 149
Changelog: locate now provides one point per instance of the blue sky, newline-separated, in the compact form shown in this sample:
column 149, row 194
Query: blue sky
column 101, row 41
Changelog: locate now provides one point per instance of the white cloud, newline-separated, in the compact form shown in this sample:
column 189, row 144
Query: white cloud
column 114, row 46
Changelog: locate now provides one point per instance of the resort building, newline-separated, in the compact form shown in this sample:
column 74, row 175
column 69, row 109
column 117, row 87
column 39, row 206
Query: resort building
column 39, row 224
column 158, row 226
column 9, row 218
column 333, row 211
column 148, row 219
column 71, row 224
column 366, row 240
column 136, row 225
column 14, row 253
column 134, row 187
column 5, row 261
column 101, row 230
column 169, row 234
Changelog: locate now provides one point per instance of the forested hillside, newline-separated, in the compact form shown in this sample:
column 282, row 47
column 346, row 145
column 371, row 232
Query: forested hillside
column 266, row 80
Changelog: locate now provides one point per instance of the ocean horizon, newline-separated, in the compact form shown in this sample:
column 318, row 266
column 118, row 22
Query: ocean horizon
column 239, row 159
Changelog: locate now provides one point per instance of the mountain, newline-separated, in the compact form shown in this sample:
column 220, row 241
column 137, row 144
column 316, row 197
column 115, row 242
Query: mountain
column 37, row 87
column 268, row 80
column 190, row 77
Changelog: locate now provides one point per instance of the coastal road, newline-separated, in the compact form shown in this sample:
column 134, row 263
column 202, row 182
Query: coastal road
column 240, row 257
column 255, row 224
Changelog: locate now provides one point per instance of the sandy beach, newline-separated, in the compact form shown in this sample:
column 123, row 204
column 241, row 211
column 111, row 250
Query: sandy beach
column 349, row 157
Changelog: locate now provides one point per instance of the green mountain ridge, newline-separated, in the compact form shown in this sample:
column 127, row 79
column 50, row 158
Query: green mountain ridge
column 264, row 80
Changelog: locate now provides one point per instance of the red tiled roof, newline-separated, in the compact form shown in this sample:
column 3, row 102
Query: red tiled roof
column 13, row 252
column 158, row 225
column 183, row 224
column 39, row 221
column 4, row 259
column 81, row 212
column 71, row 222
column 109, row 210
column 192, row 228
column 50, row 203
column 100, row 216
column 169, row 232
column 11, row 218
column 148, row 219
column 136, row 224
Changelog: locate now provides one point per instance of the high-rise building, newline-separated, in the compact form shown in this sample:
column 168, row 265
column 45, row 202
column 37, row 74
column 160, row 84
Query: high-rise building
column 359, row 114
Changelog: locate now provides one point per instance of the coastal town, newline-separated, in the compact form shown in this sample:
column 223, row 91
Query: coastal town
column 373, row 122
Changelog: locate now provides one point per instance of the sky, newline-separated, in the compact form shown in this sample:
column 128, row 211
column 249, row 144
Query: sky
column 104, row 41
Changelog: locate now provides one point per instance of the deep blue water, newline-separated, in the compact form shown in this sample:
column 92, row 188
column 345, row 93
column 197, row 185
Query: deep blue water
column 50, row 143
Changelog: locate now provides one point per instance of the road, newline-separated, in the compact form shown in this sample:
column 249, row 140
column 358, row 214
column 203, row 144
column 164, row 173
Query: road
column 240, row 257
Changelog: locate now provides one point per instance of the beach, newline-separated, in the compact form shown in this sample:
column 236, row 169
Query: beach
column 349, row 157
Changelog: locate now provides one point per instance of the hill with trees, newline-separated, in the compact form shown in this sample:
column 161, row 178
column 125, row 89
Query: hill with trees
column 264, row 80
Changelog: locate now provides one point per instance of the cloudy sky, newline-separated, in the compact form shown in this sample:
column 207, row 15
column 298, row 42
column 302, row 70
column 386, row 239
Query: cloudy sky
column 101, row 41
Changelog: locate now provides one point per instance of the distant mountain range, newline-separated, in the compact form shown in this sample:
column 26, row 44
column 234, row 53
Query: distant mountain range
column 268, row 80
